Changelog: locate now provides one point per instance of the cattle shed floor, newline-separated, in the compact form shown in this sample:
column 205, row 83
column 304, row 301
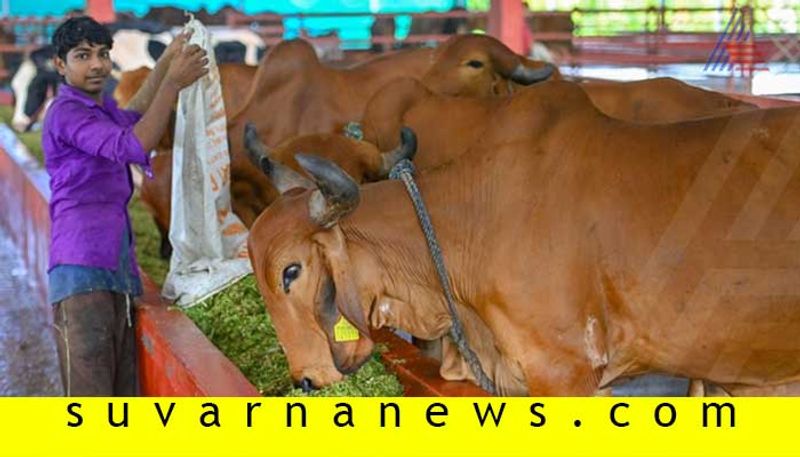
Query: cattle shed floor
column 28, row 360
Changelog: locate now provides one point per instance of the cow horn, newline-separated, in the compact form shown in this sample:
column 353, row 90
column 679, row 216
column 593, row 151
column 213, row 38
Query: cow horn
column 527, row 76
column 337, row 194
column 406, row 150
column 281, row 176
column 510, row 65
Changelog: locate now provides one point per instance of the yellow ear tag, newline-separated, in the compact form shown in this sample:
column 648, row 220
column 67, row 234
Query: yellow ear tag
column 344, row 331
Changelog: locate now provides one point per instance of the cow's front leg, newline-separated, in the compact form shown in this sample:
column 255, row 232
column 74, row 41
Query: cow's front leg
column 557, row 371
column 556, row 357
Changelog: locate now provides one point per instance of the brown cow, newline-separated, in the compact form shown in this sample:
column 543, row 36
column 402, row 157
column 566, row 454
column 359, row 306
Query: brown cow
column 580, row 248
column 295, row 94
column 660, row 100
column 360, row 160
column 480, row 66
column 444, row 137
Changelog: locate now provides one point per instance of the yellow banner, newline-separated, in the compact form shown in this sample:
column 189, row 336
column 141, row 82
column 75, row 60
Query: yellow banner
column 399, row 427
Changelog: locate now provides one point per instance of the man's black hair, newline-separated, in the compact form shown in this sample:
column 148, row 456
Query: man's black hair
column 76, row 30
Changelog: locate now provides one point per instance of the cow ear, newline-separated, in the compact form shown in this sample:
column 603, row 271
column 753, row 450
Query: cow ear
column 406, row 150
column 337, row 260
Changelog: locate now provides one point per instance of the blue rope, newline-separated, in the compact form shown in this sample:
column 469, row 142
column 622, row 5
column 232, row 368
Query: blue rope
column 404, row 170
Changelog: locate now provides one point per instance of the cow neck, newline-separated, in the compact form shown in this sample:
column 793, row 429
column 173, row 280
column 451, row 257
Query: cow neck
column 404, row 171
column 392, row 239
column 372, row 75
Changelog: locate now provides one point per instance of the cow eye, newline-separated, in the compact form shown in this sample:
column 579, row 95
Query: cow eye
column 290, row 273
column 475, row 64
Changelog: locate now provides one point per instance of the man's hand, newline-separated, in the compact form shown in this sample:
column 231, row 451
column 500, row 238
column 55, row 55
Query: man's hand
column 177, row 45
column 177, row 48
column 187, row 66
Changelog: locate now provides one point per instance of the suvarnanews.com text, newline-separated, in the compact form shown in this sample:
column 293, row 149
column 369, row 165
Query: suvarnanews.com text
column 296, row 414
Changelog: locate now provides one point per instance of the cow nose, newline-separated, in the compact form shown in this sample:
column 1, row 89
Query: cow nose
column 305, row 385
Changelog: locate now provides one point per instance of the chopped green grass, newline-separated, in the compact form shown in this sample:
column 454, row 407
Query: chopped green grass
column 236, row 321
column 148, row 242
column 371, row 380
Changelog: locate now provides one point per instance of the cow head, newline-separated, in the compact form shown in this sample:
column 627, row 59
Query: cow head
column 304, row 274
column 303, row 268
column 479, row 65
column 33, row 82
column 361, row 160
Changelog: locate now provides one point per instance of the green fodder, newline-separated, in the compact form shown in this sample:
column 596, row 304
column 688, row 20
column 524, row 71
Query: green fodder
column 148, row 242
column 236, row 321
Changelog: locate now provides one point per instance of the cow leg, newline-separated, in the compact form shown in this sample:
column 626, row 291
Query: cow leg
column 165, row 250
column 242, row 198
column 697, row 388
column 552, row 371
column 555, row 360
column 701, row 388
column 429, row 348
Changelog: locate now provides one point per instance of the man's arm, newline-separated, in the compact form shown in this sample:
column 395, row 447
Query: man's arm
column 85, row 130
column 143, row 98
column 184, row 69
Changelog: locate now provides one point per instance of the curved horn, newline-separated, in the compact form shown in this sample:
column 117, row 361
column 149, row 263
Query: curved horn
column 510, row 64
column 527, row 76
column 281, row 176
column 337, row 194
column 406, row 150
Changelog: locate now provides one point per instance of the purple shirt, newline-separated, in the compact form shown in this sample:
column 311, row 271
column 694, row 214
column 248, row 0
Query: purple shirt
column 87, row 149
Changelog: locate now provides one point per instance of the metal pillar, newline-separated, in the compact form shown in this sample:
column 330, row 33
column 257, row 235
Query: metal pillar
column 101, row 10
column 507, row 22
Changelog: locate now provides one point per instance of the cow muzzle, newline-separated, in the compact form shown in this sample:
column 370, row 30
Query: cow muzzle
column 306, row 385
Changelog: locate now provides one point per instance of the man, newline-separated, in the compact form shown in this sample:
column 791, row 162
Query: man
column 88, row 143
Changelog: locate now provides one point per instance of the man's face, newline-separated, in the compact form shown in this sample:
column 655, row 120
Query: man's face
column 86, row 68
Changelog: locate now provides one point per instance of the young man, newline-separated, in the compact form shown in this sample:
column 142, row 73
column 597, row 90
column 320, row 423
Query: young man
column 88, row 143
